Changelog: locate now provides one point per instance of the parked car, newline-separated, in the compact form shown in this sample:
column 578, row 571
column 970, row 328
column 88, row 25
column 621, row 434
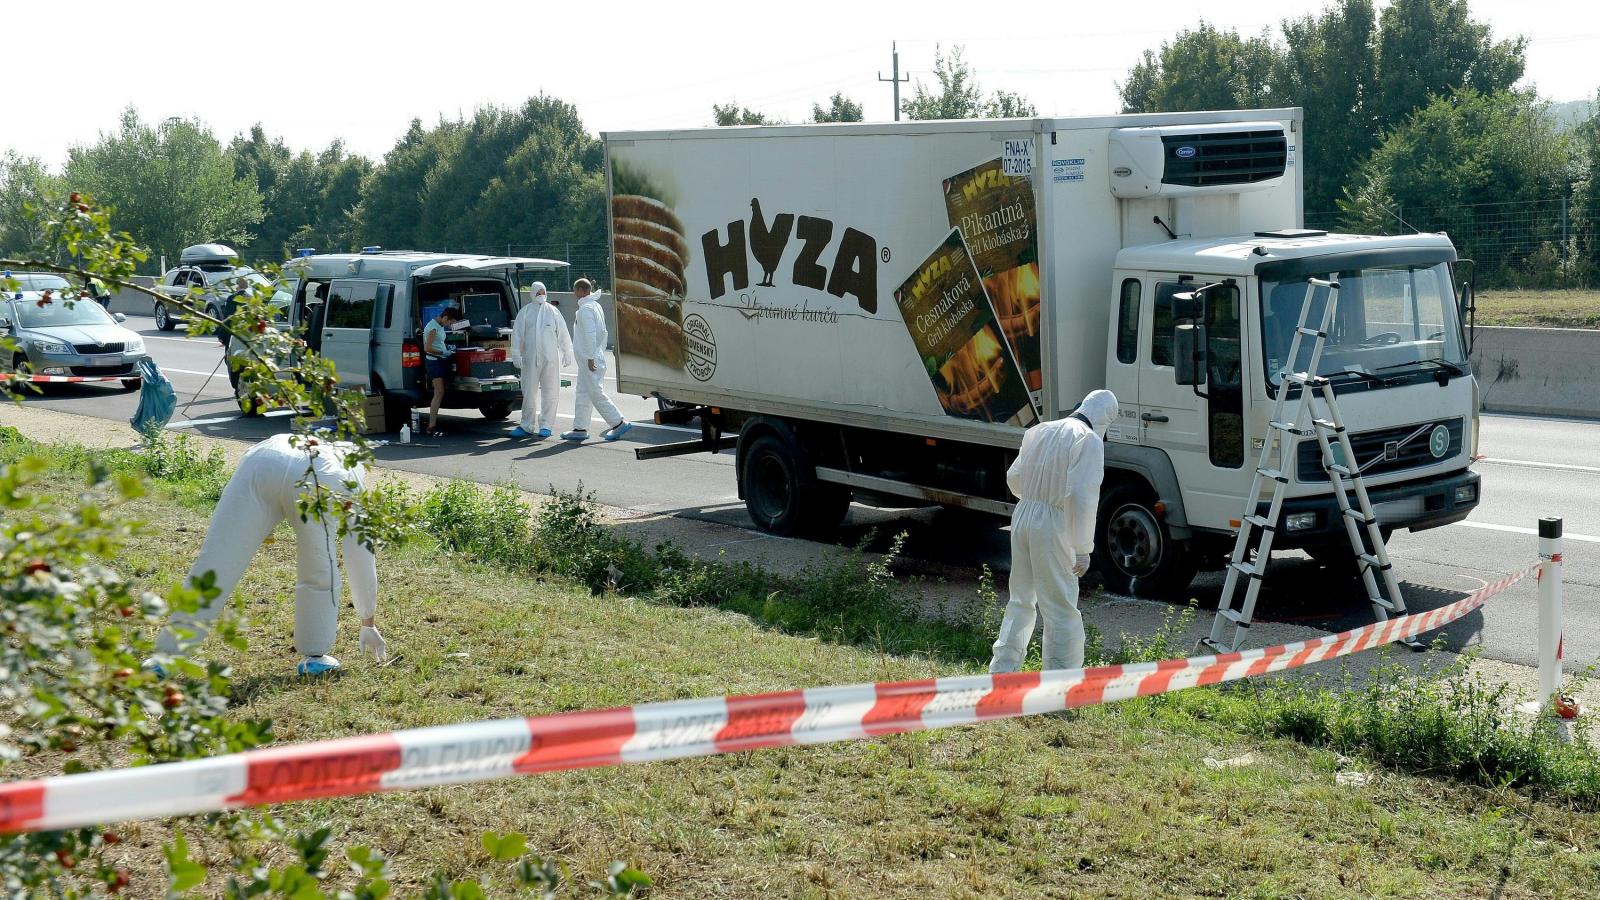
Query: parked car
column 54, row 338
column 365, row 312
column 214, row 269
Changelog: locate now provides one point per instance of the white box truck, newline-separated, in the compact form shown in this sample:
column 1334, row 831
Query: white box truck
column 878, row 311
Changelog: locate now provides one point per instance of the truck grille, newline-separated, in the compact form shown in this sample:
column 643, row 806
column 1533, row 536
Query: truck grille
column 1369, row 445
column 1241, row 157
column 95, row 349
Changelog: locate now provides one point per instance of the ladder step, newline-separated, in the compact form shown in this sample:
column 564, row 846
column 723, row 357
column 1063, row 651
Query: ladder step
column 1215, row 646
column 1382, row 604
column 1290, row 428
column 1326, row 425
column 1274, row 474
column 1261, row 523
column 1372, row 562
column 1342, row 469
column 1234, row 616
column 1311, row 332
column 1245, row 569
column 1360, row 517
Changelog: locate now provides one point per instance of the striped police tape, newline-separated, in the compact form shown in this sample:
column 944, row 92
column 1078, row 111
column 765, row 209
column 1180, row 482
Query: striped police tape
column 76, row 379
column 460, row 754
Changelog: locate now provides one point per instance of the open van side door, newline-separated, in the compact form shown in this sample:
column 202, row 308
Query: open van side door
column 347, row 329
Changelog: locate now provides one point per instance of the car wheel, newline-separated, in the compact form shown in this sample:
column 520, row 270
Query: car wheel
column 1135, row 551
column 132, row 384
column 247, row 407
column 164, row 321
column 496, row 411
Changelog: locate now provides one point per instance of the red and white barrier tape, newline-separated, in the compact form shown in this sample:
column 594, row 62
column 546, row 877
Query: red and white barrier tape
column 459, row 754
column 75, row 379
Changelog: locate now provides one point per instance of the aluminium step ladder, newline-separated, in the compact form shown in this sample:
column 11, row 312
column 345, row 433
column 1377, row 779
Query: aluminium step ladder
column 1344, row 475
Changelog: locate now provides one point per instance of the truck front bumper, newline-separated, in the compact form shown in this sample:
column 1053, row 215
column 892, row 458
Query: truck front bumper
column 1413, row 505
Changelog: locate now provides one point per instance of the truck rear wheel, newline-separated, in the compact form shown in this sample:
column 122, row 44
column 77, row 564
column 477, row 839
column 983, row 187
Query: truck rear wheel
column 496, row 411
column 782, row 493
column 1134, row 550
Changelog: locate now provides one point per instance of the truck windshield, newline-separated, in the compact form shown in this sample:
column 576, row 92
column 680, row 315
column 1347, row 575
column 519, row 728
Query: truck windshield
column 1389, row 319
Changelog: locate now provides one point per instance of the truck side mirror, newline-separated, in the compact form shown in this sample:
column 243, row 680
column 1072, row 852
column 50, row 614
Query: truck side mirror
column 1465, row 271
column 1189, row 354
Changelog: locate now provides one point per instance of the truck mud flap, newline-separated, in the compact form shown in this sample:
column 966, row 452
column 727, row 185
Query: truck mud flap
column 916, row 491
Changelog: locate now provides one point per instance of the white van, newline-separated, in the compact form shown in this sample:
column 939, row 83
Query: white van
column 365, row 312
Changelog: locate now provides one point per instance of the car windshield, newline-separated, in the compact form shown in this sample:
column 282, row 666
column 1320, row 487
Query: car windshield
column 32, row 314
column 1388, row 319
column 30, row 281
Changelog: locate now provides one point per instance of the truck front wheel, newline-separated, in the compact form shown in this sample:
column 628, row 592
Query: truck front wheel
column 783, row 495
column 1134, row 550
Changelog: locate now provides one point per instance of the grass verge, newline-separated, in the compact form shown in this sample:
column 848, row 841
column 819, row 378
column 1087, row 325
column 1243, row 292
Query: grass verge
column 1547, row 309
column 1114, row 802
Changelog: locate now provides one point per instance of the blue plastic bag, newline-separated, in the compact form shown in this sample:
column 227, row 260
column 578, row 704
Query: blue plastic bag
column 157, row 399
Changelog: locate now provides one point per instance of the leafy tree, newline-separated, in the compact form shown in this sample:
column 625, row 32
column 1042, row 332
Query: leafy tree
column 309, row 198
column 1341, row 125
column 393, row 195
column 26, row 186
column 734, row 114
column 1203, row 68
column 958, row 95
column 171, row 184
column 839, row 109
column 1429, row 47
column 1452, row 162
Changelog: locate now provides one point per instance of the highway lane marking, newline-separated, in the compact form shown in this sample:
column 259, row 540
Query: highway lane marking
column 1532, row 464
column 1518, row 529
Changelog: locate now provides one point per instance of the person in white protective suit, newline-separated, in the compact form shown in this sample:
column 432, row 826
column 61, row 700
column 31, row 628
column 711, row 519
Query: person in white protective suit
column 1056, row 478
column 540, row 346
column 589, row 342
column 265, row 490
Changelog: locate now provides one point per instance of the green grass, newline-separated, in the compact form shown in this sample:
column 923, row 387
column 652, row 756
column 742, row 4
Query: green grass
column 1548, row 309
column 1108, row 802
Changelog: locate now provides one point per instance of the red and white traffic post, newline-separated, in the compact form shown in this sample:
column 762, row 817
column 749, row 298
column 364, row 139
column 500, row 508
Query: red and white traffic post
column 1551, row 700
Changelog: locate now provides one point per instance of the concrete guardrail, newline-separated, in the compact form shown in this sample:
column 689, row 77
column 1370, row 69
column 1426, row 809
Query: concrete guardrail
column 1539, row 371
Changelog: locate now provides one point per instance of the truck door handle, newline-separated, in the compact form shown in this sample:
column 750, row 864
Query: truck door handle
column 1154, row 417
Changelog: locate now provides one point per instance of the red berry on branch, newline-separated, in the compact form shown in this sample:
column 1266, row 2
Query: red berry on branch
column 173, row 698
column 111, row 838
column 119, row 880
column 36, row 565
column 65, row 859
column 73, row 197
column 122, row 673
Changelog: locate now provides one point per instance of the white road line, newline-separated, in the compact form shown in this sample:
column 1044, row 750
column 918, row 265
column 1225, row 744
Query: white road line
column 189, row 371
column 1518, row 529
column 1567, row 467
column 182, row 340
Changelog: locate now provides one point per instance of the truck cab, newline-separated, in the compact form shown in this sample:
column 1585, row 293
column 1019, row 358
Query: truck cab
column 1183, row 453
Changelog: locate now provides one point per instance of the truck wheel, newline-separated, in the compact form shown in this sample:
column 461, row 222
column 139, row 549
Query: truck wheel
column 1134, row 550
column 782, row 494
column 496, row 411
column 164, row 321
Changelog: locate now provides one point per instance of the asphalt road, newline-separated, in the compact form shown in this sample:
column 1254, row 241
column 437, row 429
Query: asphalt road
column 1535, row 467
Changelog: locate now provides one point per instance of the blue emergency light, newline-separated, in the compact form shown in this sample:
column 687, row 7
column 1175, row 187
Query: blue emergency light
column 371, row 249
column 303, row 252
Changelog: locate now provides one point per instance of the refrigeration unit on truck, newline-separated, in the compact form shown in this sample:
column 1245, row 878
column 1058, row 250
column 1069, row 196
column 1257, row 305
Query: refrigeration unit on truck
column 877, row 312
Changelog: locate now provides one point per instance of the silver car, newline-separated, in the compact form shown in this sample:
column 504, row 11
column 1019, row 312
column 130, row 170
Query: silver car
column 51, row 338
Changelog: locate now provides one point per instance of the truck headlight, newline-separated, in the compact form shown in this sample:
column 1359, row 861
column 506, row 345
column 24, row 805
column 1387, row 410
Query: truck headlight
column 1467, row 493
column 1300, row 521
column 55, row 347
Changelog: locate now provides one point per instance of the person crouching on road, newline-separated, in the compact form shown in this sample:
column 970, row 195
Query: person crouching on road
column 1056, row 479
column 436, row 356
column 590, row 344
column 265, row 489
column 540, row 346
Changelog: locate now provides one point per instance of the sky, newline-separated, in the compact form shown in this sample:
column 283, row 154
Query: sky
column 313, row 72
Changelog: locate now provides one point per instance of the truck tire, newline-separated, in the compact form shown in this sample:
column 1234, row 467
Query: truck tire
column 782, row 493
column 496, row 411
column 1134, row 550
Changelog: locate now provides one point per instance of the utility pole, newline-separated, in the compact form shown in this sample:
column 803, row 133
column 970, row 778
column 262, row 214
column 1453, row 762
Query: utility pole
column 896, row 80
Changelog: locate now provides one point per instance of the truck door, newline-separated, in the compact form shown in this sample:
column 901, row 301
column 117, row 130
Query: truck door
column 1203, row 435
column 347, row 333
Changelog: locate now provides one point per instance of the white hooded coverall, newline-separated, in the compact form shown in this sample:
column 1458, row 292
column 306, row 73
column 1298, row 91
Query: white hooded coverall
column 589, row 342
column 264, row 491
column 1056, row 479
column 540, row 346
